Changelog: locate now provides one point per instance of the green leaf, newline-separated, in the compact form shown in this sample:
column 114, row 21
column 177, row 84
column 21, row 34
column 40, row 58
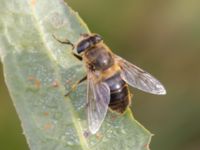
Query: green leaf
column 39, row 71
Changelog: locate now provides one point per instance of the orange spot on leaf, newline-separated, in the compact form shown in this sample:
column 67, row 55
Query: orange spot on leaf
column 113, row 117
column 36, row 81
column 99, row 136
column 48, row 126
column 146, row 146
column 55, row 83
column 46, row 113
column 33, row 2
column 30, row 78
column 68, row 81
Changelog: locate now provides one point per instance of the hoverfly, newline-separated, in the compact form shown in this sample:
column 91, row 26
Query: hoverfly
column 108, row 77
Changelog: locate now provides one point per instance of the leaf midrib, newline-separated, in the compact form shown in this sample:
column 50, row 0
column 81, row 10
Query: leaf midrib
column 82, row 140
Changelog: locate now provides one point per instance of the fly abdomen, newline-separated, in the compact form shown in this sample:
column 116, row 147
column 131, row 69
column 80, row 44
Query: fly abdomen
column 119, row 98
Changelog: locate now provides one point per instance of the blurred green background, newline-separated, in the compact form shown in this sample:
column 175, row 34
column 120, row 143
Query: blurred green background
column 162, row 37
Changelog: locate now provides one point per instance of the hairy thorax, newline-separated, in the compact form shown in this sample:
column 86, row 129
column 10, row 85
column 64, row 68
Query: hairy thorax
column 100, row 59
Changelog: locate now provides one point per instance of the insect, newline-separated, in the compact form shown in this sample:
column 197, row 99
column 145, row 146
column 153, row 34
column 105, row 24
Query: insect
column 108, row 77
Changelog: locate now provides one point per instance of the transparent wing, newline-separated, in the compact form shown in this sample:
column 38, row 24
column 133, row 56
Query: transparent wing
column 140, row 79
column 98, row 99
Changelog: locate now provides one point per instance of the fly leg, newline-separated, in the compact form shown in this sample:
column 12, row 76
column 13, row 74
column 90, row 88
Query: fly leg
column 66, row 41
column 77, row 56
column 75, row 85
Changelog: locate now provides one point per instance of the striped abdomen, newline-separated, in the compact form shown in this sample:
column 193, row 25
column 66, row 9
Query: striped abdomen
column 119, row 98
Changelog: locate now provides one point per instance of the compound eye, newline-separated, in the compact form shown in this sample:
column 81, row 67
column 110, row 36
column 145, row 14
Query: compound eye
column 82, row 46
column 96, row 39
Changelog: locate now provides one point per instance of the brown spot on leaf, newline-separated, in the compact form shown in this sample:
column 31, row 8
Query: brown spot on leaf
column 68, row 81
column 55, row 83
column 36, row 81
column 99, row 136
column 46, row 113
column 113, row 117
column 146, row 146
column 33, row 2
column 48, row 126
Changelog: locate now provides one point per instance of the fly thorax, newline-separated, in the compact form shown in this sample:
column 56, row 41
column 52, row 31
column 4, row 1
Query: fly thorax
column 101, row 59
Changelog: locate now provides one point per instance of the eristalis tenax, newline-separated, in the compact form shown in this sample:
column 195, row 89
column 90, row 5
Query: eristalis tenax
column 108, row 77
